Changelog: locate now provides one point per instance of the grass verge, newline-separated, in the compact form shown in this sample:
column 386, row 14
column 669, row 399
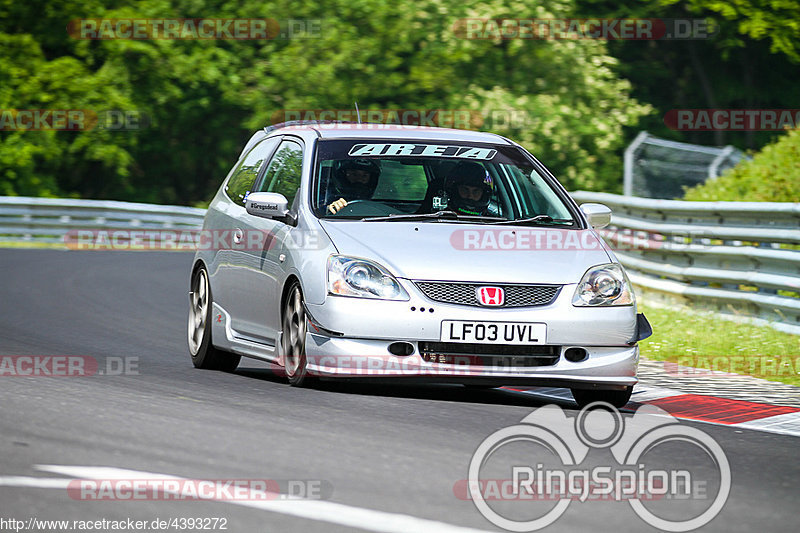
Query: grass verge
column 704, row 340
column 32, row 244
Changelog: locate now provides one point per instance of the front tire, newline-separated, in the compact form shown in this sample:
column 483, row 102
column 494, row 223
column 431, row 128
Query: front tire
column 617, row 398
column 293, row 338
column 204, row 354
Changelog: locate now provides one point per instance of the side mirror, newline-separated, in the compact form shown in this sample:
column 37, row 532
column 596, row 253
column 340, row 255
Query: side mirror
column 269, row 205
column 598, row 215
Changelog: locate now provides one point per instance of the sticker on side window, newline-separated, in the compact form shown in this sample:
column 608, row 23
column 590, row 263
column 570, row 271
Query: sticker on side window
column 422, row 150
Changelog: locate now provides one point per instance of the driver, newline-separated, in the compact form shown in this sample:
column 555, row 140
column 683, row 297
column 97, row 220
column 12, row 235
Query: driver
column 355, row 179
column 469, row 189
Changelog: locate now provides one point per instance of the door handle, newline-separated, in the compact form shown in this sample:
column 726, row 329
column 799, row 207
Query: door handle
column 238, row 234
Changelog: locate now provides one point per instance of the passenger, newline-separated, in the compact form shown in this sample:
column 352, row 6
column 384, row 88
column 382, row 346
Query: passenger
column 469, row 189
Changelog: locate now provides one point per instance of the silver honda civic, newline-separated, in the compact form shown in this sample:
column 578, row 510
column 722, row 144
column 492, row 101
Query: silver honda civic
column 409, row 253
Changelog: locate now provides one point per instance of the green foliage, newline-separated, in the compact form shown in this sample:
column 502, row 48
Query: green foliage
column 46, row 163
column 732, row 69
column 569, row 102
column 776, row 20
column 709, row 341
column 204, row 98
column 773, row 175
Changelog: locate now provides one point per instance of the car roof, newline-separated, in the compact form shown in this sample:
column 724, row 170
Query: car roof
column 340, row 130
column 390, row 131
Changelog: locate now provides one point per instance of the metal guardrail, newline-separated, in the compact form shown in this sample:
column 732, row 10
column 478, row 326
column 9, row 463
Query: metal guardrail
column 50, row 220
column 737, row 258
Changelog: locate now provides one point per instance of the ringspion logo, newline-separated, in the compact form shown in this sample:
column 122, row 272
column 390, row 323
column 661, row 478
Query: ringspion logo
column 676, row 498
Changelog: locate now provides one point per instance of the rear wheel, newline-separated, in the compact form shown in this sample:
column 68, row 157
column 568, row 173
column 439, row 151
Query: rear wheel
column 293, row 338
column 204, row 354
column 617, row 398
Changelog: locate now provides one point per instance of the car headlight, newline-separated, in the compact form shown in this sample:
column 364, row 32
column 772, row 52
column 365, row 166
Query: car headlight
column 604, row 285
column 351, row 276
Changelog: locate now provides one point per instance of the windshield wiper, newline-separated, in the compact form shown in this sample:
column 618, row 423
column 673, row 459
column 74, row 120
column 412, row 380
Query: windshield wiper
column 438, row 215
column 538, row 219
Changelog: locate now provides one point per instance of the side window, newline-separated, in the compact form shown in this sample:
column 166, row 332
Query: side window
column 241, row 182
column 284, row 171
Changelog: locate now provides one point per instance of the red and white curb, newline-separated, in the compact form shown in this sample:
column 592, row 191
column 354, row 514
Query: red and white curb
column 781, row 419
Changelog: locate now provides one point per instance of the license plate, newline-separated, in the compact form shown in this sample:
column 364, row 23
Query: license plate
column 493, row 332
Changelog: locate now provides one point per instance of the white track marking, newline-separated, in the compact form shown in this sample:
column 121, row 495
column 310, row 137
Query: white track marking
column 788, row 424
column 641, row 393
column 646, row 393
column 549, row 392
column 34, row 482
column 325, row 511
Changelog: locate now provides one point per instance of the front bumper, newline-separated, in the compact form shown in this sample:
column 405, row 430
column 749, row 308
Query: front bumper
column 605, row 367
column 350, row 338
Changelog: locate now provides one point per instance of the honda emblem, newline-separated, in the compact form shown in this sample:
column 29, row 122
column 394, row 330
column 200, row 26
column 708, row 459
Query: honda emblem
column 492, row 296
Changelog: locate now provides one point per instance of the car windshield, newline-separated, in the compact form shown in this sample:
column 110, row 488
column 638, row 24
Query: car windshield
column 442, row 181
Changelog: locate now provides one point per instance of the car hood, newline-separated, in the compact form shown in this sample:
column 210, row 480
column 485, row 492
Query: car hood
column 471, row 252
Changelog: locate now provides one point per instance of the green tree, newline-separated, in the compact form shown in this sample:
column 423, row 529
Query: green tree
column 565, row 101
column 53, row 162
column 734, row 68
column 773, row 175
column 775, row 20
column 204, row 98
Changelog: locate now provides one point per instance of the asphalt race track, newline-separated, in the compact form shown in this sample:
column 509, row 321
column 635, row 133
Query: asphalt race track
column 387, row 457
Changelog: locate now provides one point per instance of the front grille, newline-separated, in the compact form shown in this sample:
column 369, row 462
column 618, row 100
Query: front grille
column 493, row 355
column 465, row 293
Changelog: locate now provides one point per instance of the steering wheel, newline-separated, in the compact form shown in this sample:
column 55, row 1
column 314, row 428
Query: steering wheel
column 347, row 210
